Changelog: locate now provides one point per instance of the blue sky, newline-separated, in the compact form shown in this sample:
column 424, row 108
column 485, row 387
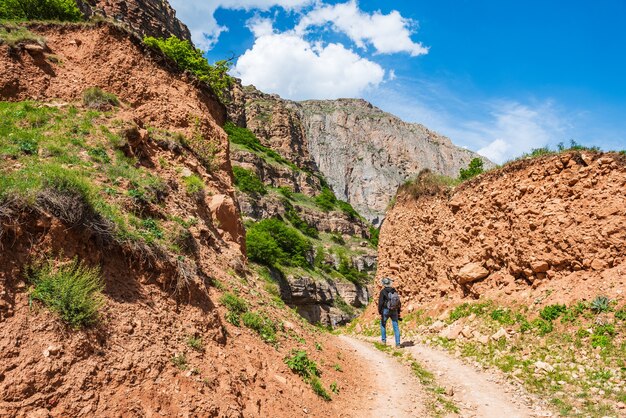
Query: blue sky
column 498, row 77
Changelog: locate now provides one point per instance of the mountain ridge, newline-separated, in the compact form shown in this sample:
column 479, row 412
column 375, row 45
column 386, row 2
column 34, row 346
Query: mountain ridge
column 364, row 152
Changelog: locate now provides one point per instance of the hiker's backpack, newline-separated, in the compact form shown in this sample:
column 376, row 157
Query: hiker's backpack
column 393, row 301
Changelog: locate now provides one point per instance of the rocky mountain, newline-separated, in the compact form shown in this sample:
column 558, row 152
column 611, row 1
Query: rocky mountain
column 363, row 152
column 144, row 17
column 366, row 153
column 551, row 226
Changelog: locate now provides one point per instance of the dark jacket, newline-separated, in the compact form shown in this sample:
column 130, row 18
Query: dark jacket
column 382, row 299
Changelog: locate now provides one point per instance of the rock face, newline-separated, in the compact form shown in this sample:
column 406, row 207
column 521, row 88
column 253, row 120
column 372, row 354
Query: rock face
column 145, row 17
column 556, row 224
column 363, row 152
column 275, row 121
column 366, row 153
column 317, row 300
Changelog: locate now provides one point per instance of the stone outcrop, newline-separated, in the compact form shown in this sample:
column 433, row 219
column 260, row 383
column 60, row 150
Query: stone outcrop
column 320, row 301
column 275, row 121
column 363, row 152
column 553, row 226
column 144, row 17
column 277, row 175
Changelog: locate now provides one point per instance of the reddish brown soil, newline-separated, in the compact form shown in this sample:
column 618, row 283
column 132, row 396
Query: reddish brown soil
column 123, row 366
column 553, row 227
column 105, row 56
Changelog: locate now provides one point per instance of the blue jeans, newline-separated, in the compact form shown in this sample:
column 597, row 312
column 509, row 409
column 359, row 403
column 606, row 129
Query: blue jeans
column 394, row 321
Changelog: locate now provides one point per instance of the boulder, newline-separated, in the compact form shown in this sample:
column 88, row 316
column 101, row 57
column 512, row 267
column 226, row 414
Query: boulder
column 501, row 333
column 452, row 332
column 543, row 366
column 226, row 215
column 467, row 332
column 472, row 272
column 540, row 266
column 437, row 326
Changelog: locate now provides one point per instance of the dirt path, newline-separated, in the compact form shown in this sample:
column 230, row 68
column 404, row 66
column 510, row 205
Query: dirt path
column 389, row 390
column 394, row 392
column 477, row 392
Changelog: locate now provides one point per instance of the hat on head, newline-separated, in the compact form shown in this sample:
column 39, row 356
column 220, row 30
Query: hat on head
column 386, row 281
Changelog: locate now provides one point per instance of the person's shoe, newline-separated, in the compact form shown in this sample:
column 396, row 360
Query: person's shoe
column 383, row 342
column 398, row 345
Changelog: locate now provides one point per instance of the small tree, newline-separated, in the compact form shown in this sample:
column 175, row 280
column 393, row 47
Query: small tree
column 475, row 168
column 63, row 10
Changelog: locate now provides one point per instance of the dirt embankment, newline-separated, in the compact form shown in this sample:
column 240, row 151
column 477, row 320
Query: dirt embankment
column 124, row 366
column 552, row 226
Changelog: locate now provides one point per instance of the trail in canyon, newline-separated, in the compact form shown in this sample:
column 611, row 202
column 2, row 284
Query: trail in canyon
column 391, row 390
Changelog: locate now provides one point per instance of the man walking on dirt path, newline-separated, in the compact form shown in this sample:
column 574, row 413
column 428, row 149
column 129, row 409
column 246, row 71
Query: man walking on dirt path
column 389, row 307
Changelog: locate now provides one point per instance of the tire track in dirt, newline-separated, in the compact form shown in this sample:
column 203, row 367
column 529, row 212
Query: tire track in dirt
column 393, row 391
column 389, row 389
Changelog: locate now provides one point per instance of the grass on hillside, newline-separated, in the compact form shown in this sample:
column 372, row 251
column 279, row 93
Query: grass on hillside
column 584, row 343
column 15, row 35
column 70, row 162
column 300, row 363
column 73, row 291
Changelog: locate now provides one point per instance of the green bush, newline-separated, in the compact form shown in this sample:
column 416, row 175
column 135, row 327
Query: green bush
column 348, row 271
column 600, row 340
column 264, row 326
column 542, row 326
column 247, row 181
column 474, row 168
column 374, row 235
column 319, row 390
column 552, row 312
column 621, row 314
column 235, row 305
column 573, row 312
column 183, row 53
column 600, row 304
column 74, row 291
column 300, row 364
column 180, row 361
column 326, row 199
column 337, row 238
column 96, row 98
column 246, row 138
column 292, row 216
column 466, row 309
column 347, row 208
column 502, row 316
column 194, row 342
column 99, row 154
column 286, row 192
column 271, row 242
column 193, row 185
column 63, row 10
column 574, row 146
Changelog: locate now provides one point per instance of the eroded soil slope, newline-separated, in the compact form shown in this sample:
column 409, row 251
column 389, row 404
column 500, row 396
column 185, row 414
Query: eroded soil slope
column 120, row 191
column 556, row 223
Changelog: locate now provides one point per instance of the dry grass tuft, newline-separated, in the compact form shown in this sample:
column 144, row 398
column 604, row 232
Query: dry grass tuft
column 427, row 183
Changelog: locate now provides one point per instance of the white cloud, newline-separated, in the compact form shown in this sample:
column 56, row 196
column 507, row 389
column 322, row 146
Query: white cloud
column 198, row 15
column 390, row 33
column 287, row 64
column 260, row 26
column 515, row 128
column 499, row 129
